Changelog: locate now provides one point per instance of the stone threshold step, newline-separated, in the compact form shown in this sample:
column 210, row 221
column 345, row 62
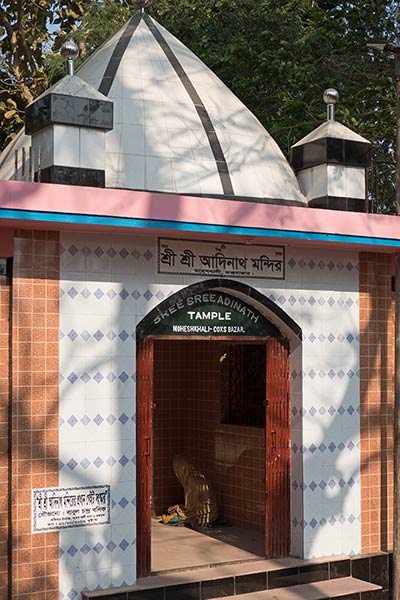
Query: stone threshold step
column 268, row 574
column 344, row 588
column 289, row 567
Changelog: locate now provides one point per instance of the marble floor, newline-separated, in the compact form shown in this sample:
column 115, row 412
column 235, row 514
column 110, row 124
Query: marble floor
column 179, row 548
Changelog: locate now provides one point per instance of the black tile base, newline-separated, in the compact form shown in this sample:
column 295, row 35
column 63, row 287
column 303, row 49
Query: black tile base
column 375, row 595
column 339, row 568
column 72, row 176
column 157, row 594
column 338, row 203
column 255, row 582
column 360, row 569
column 217, row 588
column 312, row 573
column 372, row 568
column 379, row 570
column 189, row 591
column 283, row 578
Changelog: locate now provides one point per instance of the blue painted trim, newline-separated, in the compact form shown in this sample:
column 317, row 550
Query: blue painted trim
column 26, row 215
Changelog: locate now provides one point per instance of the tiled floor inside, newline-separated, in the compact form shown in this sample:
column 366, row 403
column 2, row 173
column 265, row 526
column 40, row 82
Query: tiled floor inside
column 178, row 548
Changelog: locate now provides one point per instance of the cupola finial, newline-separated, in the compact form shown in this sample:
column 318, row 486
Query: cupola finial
column 70, row 52
column 142, row 4
column 331, row 96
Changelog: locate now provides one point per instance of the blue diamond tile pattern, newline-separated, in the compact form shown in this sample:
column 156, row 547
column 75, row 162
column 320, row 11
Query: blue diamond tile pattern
column 99, row 420
column 98, row 335
column 123, row 545
column 98, row 548
column 72, row 377
column 123, row 461
column 123, row 377
column 123, row 502
column 98, row 294
column 72, row 550
column 98, row 462
column 85, row 293
column 98, row 377
column 85, row 377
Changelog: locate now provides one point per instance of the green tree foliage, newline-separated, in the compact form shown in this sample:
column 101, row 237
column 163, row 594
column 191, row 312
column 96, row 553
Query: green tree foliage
column 279, row 55
column 31, row 33
column 276, row 55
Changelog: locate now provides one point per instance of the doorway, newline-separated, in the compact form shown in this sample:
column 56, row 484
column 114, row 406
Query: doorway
column 224, row 403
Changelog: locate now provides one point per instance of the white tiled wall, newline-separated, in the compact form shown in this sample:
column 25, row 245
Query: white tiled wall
column 108, row 284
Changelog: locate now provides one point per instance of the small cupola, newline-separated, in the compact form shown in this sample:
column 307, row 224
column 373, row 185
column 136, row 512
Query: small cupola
column 68, row 124
column 331, row 162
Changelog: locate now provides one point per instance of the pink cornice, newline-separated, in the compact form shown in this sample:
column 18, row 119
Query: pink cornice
column 52, row 198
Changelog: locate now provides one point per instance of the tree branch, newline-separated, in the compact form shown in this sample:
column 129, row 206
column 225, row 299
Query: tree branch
column 25, row 45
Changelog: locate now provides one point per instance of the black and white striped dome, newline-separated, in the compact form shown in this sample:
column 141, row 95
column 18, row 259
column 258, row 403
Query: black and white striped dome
column 177, row 127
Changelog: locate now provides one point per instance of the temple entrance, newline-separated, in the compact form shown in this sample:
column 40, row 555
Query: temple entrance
column 223, row 401
column 209, row 404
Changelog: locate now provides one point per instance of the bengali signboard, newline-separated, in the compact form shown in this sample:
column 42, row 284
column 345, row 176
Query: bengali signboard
column 61, row 508
column 212, row 314
column 222, row 259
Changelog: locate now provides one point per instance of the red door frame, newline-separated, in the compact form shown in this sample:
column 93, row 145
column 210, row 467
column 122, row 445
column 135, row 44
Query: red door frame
column 144, row 441
column 277, row 523
column 277, row 430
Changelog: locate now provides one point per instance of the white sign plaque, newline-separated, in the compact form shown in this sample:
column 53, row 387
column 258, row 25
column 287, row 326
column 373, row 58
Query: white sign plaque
column 61, row 508
column 226, row 259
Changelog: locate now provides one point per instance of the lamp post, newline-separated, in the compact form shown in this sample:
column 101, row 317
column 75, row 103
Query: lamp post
column 395, row 50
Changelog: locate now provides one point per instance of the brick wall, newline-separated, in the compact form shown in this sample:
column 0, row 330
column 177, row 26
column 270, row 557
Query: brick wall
column 187, row 419
column 4, row 445
column 35, row 331
column 376, row 395
column 169, row 369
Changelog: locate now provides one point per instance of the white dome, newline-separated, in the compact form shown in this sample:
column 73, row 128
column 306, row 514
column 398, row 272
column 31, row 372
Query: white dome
column 177, row 127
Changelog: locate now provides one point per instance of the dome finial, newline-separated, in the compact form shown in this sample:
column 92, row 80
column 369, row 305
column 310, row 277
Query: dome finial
column 331, row 96
column 142, row 4
column 70, row 52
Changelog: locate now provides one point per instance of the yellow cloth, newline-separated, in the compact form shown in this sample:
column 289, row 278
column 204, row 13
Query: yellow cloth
column 200, row 500
column 173, row 513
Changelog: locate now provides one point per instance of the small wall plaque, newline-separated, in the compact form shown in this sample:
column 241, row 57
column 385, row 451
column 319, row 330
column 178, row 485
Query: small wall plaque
column 61, row 508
